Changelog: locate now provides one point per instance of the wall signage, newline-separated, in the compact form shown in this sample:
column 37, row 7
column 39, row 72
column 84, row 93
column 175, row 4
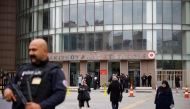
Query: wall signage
column 103, row 72
column 68, row 56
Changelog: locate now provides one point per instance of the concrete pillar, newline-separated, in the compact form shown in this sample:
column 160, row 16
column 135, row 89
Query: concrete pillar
column 103, row 66
column 66, row 71
column 83, row 69
column 124, row 67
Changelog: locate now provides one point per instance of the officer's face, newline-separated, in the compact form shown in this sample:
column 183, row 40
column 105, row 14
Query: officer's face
column 35, row 52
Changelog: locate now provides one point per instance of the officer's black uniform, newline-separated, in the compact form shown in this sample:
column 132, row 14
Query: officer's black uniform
column 52, row 87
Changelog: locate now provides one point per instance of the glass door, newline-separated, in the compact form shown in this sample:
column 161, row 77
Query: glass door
column 74, row 73
column 133, row 72
column 93, row 69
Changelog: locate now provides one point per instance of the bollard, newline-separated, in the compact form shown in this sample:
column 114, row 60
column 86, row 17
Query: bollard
column 105, row 91
column 68, row 91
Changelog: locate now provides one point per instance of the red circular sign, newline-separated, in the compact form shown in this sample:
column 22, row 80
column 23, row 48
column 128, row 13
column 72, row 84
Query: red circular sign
column 151, row 55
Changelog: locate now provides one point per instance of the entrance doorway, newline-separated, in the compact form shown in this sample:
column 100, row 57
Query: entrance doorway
column 93, row 69
column 74, row 73
column 113, row 68
column 134, row 69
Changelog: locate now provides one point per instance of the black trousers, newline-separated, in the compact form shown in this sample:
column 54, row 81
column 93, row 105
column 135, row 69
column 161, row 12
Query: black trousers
column 81, row 103
column 149, row 84
column 143, row 83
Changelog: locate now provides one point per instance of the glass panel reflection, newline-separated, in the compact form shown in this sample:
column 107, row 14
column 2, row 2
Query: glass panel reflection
column 167, row 41
column 80, row 42
column 167, row 12
column 176, row 6
column 81, row 14
column 65, row 16
column 127, row 12
column 73, row 42
column 118, row 12
column 117, row 40
column 89, row 42
column 177, row 42
column 73, row 16
column 99, row 13
column 137, row 12
column 127, row 40
column 108, row 12
column 98, row 41
column 137, row 40
column 89, row 14
column 108, row 40
column 158, row 36
column 45, row 18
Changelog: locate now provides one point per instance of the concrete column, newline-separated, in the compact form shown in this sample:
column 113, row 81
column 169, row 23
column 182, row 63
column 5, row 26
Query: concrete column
column 103, row 66
column 66, row 71
column 124, row 67
column 83, row 68
column 151, row 69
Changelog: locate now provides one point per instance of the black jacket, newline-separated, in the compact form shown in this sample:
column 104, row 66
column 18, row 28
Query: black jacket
column 57, row 85
column 115, row 89
column 164, row 98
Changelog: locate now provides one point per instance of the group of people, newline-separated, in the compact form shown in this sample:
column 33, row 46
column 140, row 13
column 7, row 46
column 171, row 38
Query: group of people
column 44, row 86
column 144, row 79
column 89, row 80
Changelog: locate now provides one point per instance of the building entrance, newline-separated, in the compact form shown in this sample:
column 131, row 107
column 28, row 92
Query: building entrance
column 74, row 73
column 134, row 69
column 93, row 69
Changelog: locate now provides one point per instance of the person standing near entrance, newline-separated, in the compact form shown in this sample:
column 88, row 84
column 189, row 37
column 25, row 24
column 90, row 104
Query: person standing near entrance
column 149, row 80
column 126, row 83
column 177, row 82
column 96, row 82
column 143, row 78
column 137, row 79
column 80, row 79
column 87, row 78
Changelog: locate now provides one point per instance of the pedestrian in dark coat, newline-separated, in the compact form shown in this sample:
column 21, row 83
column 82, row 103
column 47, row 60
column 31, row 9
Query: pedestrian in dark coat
column 137, row 79
column 84, row 95
column 126, row 83
column 144, row 78
column 177, row 82
column 88, row 79
column 149, row 80
column 116, row 91
column 164, row 97
column 96, row 82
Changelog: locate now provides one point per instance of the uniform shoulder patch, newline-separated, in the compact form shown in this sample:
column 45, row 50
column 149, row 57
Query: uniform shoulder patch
column 65, row 83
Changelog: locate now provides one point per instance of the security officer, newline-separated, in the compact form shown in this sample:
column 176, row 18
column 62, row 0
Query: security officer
column 42, row 83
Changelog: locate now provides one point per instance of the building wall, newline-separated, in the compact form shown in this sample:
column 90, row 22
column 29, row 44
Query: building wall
column 7, row 34
column 78, row 26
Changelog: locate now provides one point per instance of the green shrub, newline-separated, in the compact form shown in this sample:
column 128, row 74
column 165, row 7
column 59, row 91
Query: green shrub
column 106, row 84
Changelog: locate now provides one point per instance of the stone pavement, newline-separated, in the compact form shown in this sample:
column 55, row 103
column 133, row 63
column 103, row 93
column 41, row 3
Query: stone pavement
column 99, row 101
column 140, row 101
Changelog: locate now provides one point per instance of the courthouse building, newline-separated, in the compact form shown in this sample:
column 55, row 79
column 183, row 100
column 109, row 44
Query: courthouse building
column 102, row 37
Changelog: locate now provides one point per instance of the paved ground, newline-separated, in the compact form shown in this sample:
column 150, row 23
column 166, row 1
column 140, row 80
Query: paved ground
column 99, row 101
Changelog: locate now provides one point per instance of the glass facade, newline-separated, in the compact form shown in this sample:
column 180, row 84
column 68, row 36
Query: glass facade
column 107, row 25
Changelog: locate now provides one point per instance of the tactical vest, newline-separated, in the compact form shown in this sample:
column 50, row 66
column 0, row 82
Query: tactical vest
column 40, row 91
